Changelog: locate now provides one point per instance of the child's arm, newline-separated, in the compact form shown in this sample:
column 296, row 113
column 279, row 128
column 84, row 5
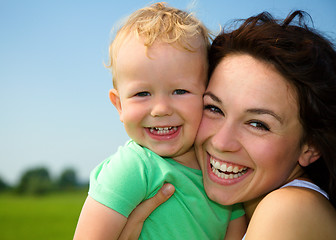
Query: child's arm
column 98, row 222
column 236, row 229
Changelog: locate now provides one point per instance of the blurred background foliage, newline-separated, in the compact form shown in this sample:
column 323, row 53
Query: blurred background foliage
column 37, row 181
column 40, row 206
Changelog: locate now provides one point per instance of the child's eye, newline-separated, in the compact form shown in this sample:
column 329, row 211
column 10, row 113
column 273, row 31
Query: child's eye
column 142, row 94
column 213, row 109
column 180, row 91
column 259, row 125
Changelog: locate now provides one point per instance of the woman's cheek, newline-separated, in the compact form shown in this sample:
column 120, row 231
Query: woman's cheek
column 205, row 130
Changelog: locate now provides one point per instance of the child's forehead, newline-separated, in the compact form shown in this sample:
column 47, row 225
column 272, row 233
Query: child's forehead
column 133, row 48
column 190, row 44
column 135, row 60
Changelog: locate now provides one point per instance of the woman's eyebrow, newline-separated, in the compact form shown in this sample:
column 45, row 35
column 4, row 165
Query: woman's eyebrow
column 212, row 96
column 265, row 111
column 252, row 110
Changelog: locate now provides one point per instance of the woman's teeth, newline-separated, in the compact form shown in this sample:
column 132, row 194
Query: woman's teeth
column 226, row 171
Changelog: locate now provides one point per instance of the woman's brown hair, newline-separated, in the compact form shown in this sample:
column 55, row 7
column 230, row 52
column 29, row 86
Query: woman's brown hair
column 308, row 61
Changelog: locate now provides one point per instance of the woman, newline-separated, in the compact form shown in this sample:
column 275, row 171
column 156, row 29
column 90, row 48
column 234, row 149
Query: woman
column 270, row 115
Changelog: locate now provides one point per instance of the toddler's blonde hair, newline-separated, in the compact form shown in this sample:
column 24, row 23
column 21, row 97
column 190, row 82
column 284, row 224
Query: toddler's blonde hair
column 159, row 22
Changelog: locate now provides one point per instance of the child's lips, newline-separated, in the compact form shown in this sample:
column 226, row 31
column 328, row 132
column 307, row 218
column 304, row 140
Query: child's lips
column 163, row 130
column 163, row 133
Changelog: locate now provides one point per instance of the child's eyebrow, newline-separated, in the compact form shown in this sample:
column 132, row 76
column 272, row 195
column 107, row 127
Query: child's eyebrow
column 212, row 96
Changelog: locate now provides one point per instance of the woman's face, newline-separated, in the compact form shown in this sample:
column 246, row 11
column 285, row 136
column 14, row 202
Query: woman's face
column 248, row 142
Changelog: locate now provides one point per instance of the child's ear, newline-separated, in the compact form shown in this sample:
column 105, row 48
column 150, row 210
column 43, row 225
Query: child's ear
column 308, row 155
column 115, row 100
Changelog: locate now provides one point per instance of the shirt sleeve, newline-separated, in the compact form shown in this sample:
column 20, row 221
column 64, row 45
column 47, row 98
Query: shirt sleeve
column 237, row 211
column 120, row 182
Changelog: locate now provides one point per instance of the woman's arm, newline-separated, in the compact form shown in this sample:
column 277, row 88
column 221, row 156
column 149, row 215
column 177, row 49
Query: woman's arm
column 98, row 222
column 236, row 229
column 136, row 219
column 132, row 230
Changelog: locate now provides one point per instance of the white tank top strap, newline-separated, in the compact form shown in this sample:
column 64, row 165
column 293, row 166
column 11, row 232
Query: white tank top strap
column 305, row 184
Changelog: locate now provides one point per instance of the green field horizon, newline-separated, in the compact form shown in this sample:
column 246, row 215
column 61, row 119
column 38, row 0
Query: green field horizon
column 50, row 217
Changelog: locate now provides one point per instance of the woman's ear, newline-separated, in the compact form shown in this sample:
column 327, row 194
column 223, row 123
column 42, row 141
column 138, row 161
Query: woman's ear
column 308, row 155
column 115, row 100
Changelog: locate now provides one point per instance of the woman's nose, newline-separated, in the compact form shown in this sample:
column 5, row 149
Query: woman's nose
column 161, row 107
column 226, row 138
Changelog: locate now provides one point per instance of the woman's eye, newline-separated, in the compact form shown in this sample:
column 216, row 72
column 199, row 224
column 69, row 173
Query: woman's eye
column 213, row 109
column 142, row 94
column 180, row 91
column 259, row 125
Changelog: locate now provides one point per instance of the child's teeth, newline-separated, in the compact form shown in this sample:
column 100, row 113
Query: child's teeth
column 162, row 130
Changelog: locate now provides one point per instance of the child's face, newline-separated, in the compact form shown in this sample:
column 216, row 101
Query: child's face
column 159, row 96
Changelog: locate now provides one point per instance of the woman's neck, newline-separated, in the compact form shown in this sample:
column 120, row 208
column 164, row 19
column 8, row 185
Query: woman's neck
column 251, row 205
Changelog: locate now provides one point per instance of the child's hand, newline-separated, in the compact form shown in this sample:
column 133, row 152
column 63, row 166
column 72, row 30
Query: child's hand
column 136, row 219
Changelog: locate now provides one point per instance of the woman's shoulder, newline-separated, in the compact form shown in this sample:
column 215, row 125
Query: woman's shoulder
column 294, row 213
column 293, row 200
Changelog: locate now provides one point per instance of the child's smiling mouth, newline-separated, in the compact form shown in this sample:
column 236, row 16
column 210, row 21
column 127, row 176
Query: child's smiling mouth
column 163, row 133
column 162, row 130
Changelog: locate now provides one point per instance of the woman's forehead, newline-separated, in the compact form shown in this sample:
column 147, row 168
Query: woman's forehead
column 253, row 83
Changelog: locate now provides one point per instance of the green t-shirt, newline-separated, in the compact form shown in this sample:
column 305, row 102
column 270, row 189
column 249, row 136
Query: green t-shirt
column 134, row 174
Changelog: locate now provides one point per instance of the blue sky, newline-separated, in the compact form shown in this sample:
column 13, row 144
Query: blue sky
column 54, row 105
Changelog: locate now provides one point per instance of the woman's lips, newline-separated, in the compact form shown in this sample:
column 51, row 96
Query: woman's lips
column 225, row 173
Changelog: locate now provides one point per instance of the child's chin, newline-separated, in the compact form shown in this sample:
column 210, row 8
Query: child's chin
column 164, row 153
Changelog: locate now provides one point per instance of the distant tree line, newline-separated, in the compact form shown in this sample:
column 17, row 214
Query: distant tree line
column 37, row 181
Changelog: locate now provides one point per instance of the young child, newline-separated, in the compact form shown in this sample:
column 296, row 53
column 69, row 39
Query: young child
column 159, row 66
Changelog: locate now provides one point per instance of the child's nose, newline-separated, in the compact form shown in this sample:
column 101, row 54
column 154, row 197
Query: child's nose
column 161, row 107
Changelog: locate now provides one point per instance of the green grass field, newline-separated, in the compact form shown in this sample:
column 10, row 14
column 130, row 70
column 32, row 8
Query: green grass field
column 47, row 217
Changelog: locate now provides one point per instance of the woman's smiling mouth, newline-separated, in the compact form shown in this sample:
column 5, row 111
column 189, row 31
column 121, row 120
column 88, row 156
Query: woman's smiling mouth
column 225, row 173
column 226, row 170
